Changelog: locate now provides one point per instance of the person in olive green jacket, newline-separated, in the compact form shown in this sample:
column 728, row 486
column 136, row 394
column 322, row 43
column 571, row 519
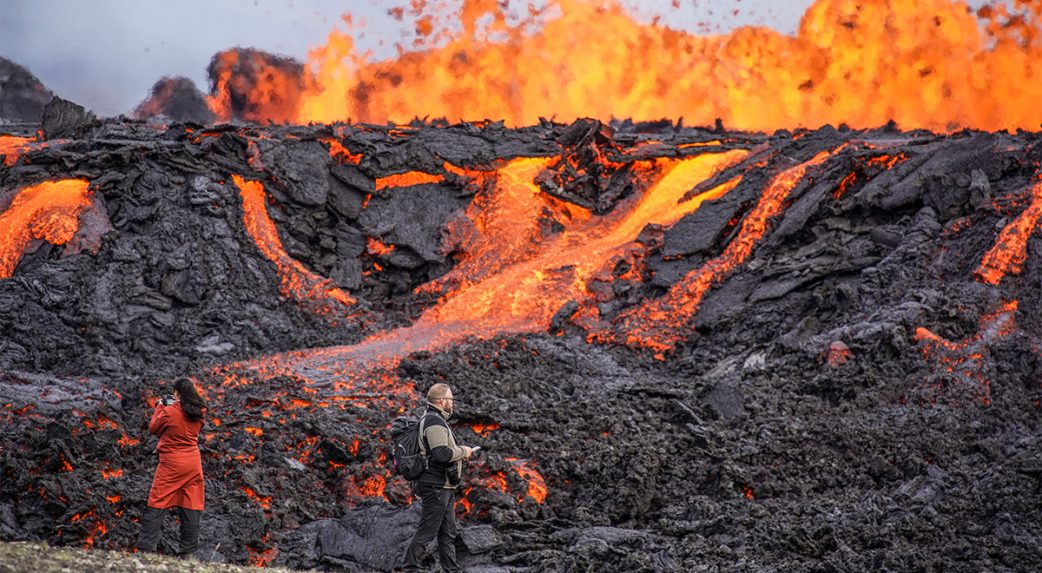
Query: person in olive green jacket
column 437, row 485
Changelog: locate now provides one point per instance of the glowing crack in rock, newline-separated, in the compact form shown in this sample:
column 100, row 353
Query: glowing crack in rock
column 970, row 358
column 48, row 211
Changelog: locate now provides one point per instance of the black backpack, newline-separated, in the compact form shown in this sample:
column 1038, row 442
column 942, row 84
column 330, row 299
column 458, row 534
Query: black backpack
column 409, row 456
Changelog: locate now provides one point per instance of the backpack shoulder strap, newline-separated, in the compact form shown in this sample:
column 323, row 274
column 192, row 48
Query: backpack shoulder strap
column 423, row 436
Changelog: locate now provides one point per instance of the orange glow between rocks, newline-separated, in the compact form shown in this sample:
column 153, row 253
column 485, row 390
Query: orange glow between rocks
column 340, row 153
column 375, row 247
column 484, row 429
column 295, row 281
column 1011, row 249
column 536, row 484
column 48, row 211
column 126, row 441
column 967, row 357
column 925, row 64
column 261, row 558
column 109, row 473
column 373, row 486
column 263, row 500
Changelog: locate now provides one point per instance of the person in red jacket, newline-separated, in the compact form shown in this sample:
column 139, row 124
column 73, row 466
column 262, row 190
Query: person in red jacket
column 178, row 482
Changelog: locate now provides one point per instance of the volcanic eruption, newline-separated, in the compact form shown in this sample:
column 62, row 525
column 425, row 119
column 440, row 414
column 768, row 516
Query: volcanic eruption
column 794, row 325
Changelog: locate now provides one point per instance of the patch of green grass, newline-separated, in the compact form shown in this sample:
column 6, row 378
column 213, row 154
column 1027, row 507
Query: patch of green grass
column 18, row 557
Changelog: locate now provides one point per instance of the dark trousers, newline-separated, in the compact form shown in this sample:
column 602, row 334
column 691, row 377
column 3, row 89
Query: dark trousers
column 152, row 526
column 438, row 519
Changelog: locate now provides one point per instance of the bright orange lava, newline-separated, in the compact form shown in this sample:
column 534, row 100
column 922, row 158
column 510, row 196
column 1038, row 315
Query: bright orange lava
column 340, row 153
column 512, row 278
column 12, row 147
column 1011, row 248
column 924, row 64
column 658, row 323
column 48, row 211
column 536, row 483
column 295, row 280
column 407, row 179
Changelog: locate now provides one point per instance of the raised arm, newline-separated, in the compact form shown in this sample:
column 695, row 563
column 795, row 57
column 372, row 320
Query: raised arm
column 160, row 419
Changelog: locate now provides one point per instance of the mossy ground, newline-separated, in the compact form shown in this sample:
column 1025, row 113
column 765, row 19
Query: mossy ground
column 41, row 558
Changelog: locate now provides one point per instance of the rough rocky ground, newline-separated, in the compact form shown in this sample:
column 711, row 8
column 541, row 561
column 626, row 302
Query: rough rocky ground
column 804, row 420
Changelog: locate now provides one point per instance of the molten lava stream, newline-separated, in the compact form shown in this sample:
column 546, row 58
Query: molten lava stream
column 657, row 323
column 48, row 211
column 1011, row 248
column 521, row 291
column 295, row 281
column 12, row 147
column 406, row 179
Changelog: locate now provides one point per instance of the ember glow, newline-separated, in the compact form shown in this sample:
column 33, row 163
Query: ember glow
column 536, row 483
column 48, row 211
column 970, row 359
column 263, row 500
column 340, row 153
column 930, row 64
column 295, row 281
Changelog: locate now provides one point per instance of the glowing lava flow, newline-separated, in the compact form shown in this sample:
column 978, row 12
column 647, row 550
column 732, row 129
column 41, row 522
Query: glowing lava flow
column 1011, row 248
column 12, row 147
column 926, row 64
column 295, row 281
column 656, row 324
column 967, row 358
column 407, row 179
column 48, row 211
column 539, row 277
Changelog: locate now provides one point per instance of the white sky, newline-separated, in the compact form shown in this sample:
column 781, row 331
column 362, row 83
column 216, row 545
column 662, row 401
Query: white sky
column 106, row 54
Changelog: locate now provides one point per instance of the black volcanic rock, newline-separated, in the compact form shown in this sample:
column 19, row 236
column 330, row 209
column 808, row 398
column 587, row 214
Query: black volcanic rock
column 22, row 95
column 63, row 118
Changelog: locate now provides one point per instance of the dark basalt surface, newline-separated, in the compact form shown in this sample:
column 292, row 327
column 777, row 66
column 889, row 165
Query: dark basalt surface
column 749, row 447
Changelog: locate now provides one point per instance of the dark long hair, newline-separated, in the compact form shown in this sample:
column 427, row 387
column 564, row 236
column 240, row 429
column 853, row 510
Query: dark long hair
column 191, row 402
